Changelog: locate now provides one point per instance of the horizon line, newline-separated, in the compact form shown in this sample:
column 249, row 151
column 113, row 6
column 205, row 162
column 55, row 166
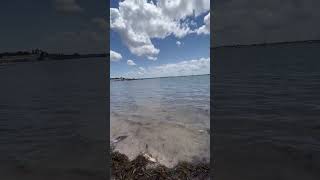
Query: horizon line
column 127, row 78
column 50, row 53
column 267, row 43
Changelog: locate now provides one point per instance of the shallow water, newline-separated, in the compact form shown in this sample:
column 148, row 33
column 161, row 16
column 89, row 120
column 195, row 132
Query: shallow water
column 166, row 117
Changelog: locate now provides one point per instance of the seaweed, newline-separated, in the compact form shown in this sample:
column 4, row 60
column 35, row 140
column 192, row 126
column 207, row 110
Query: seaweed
column 139, row 169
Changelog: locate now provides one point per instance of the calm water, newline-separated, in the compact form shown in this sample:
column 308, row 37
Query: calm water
column 52, row 120
column 266, row 112
column 169, row 115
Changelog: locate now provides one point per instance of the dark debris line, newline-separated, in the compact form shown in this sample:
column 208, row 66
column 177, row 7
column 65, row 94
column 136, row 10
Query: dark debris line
column 124, row 169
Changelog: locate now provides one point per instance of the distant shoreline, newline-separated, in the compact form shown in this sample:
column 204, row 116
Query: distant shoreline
column 131, row 79
column 267, row 44
column 6, row 58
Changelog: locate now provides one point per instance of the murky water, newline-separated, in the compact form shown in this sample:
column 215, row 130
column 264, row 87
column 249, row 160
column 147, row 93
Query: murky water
column 52, row 120
column 266, row 112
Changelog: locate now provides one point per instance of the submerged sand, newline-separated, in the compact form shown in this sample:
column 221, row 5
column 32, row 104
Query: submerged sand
column 148, row 130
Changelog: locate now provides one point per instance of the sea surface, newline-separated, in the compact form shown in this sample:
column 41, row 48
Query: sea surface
column 53, row 120
column 267, row 112
column 168, row 118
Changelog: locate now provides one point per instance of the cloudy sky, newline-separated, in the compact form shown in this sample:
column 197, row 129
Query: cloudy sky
column 257, row 21
column 65, row 26
column 70, row 26
column 157, row 38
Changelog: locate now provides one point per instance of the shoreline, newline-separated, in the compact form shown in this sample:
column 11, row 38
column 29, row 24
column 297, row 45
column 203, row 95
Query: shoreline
column 164, row 142
column 162, row 77
column 51, row 57
column 266, row 44
column 143, row 167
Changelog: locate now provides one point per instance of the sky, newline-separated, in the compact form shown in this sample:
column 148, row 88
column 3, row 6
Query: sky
column 69, row 26
column 259, row 21
column 57, row 26
column 159, row 38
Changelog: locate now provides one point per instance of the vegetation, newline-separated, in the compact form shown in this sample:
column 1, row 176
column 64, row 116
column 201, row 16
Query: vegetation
column 139, row 169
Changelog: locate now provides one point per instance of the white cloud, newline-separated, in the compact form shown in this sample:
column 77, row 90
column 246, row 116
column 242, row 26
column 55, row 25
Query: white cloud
column 152, row 58
column 183, row 68
column 114, row 56
column 179, row 9
column 178, row 43
column 139, row 21
column 131, row 63
column 205, row 29
column 67, row 6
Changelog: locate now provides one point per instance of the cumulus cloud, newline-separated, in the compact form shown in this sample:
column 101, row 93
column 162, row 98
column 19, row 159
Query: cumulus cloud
column 180, row 9
column 131, row 63
column 114, row 56
column 183, row 68
column 178, row 43
column 205, row 29
column 67, row 6
column 139, row 21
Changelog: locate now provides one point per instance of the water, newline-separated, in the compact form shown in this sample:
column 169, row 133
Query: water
column 52, row 120
column 167, row 117
column 266, row 112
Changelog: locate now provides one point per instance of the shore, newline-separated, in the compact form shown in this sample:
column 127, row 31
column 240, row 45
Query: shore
column 142, row 167
column 161, row 132
column 153, row 149
column 167, row 142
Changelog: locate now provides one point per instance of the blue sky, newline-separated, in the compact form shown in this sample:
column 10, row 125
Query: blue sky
column 187, row 54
